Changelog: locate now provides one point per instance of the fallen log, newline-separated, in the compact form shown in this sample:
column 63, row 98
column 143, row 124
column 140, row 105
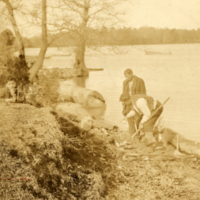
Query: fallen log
column 95, row 69
column 82, row 96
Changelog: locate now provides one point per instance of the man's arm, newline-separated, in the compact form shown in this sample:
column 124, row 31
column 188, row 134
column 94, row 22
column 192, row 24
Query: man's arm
column 130, row 114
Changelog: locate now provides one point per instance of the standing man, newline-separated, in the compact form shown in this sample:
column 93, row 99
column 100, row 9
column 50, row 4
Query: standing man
column 144, row 106
column 133, row 85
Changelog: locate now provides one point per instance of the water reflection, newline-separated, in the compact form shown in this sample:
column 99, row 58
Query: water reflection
column 80, row 81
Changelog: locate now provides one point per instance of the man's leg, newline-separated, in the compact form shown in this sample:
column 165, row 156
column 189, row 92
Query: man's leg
column 131, row 123
column 148, row 128
column 132, row 130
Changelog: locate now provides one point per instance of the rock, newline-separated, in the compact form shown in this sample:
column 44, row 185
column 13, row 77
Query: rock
column 187, row 146
column 76, row 112
column 71, row 110
column 97, row 140
column 86, row 123
column 178, row 154
column 104, row 131
column 70, row 130
column 82, row 96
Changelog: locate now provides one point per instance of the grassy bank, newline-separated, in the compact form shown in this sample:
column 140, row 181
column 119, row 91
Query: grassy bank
column 60, row 161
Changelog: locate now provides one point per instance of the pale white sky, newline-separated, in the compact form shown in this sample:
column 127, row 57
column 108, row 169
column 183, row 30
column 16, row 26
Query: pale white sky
column 164, row 13
column 180, row 14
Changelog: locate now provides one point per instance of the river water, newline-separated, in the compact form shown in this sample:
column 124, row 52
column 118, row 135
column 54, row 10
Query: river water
column 176, row 76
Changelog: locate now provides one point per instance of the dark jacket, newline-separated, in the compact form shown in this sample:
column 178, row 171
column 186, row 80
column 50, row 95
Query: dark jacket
column 138, row 87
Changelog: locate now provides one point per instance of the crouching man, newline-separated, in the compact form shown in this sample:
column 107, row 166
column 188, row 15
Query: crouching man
column 9, row 92
column 143, row 107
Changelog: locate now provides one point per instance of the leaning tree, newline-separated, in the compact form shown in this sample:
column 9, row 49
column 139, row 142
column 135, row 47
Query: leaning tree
column 14, row 8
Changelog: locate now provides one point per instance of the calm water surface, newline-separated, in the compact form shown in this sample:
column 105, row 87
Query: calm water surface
column 176, row 76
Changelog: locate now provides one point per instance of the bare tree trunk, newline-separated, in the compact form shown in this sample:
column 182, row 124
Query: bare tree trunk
column 39, row 62
column 80, row 50
column 15, row 27
column 80, row 54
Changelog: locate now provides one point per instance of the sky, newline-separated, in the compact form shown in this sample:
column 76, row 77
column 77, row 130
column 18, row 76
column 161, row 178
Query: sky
column 179, row 14
column 183, row 14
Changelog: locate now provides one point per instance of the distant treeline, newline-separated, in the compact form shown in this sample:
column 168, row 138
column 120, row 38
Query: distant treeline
column 123, row 36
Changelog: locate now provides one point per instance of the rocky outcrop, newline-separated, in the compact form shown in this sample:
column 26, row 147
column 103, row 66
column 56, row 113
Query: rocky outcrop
column 77, row 113
column 82, row 96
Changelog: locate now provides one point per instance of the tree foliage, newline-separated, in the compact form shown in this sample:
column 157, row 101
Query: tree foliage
column 7, row 37
column 17, row 68
column 6, row 42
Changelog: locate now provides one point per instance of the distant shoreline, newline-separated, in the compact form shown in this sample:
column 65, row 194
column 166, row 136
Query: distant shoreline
column 118, row 45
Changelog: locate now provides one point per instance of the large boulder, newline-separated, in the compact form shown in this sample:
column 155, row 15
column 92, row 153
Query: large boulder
column 83, row 96
column 78, row 113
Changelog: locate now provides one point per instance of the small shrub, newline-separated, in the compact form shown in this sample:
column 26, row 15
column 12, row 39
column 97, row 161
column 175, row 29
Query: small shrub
column 3, row 77
column 17, row 68
column 44, row 92
column 49, row 88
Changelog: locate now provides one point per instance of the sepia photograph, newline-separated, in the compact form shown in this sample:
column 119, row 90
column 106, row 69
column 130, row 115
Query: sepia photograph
column 99, row 100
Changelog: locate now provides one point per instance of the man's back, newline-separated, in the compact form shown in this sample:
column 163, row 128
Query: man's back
column 133, row 85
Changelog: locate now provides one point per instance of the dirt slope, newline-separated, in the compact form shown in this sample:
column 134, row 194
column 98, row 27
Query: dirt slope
column 60, row 161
